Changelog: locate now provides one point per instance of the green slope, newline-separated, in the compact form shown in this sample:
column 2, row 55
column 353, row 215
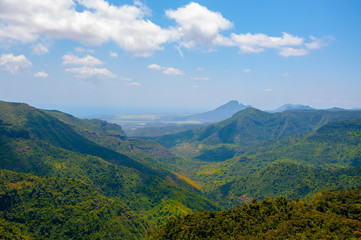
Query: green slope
column 56, row 208
column 328, row 215
column 148, row 190
column 335, row 145
column 111, row 136
column 285, row 179
column 248, row 128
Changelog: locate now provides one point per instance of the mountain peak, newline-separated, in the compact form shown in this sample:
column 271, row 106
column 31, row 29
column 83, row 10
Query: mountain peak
column 233, row 104
column 289, row 106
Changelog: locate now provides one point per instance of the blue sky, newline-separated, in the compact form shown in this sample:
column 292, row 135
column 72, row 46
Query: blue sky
column 95, row 56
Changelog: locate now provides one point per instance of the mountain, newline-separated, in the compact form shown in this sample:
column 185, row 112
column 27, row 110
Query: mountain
column 287, row 107
column 219, row 114
column 248, row 128
column 296, row 166
column 53, row 144
column 328, row 215
column 62, row 208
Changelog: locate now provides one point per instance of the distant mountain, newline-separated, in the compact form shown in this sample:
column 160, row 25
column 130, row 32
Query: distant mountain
column 219, row 114
column 252, row 126
column 287, row 107
column 247, row 128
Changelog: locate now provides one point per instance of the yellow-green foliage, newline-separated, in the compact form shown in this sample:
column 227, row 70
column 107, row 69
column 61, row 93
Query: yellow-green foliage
column 329, row 215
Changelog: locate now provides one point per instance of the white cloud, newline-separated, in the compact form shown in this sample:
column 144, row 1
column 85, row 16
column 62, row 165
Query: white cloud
column 125, row 79
column 14, row 64
column 70, row 59
column 40, row 49
column 113, row 54
column 287, row 52
column 179, row 51
column 166, row 70
column 41, row 74
column 284, row 75
column 81, row 50
column 318, row 43
column 200, row 78
column 172, row 71
column 268, row 90
column 247, row 70
column 87, row 72
column 96, row 23
column 254, row 43
column 200, row 69
column 134, row 84
column 154, row 67
column 195, row 86
column 198, row 25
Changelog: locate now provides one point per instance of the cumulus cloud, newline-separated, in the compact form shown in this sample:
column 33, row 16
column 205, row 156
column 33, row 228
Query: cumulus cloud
column 41, row 74
column 70, row 59
column 172, row 71
column 268, row 90
column 257, row 42
column 154, row 67
column 40, row 49
column 94, row 22
column 247, row 70
column 198, row 25
column 287, row 52
column 165, row 70
column 88, row 72
column 200, row 78
column 97, row 22
column 14, row 64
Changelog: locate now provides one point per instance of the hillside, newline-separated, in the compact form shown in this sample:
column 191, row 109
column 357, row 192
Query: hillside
column 248, row 128
column 328, row 215
column 289, row 180
column 61, row 208
column 156, row 194
column 333, row 146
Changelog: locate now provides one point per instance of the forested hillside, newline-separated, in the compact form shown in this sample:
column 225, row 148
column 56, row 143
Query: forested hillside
column 62, row 208
column 249, row 128
column 250, row 157
column 42, row 144
column 328, row 215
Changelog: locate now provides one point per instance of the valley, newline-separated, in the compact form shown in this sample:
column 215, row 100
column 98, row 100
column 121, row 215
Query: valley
column 99, row 182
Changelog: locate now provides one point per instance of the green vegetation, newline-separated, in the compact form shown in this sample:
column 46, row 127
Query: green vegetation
column 252, row 127
column 285, row 179
column 328, row 215
column 57, row 208
column 141, row 184
column 53, row 144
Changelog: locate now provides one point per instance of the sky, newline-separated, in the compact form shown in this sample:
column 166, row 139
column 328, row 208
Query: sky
column 159, row 56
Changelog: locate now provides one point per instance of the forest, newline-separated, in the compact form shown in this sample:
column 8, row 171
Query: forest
column 257, row 175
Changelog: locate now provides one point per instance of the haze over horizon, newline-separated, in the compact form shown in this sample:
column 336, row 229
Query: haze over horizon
column 179, row 56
